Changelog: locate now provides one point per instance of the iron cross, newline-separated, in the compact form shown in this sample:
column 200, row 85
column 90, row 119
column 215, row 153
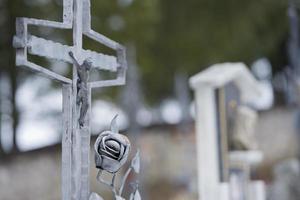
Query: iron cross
column 76, row 126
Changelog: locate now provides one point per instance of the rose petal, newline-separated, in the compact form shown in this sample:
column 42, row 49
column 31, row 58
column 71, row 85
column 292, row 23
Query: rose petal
column 103, row 142
column 110, row 165
column 113, row 145
column 108, row 154
column 125, row 155
column 121, row 138
column 98, row 161
column 112, row 151
column 122, row 151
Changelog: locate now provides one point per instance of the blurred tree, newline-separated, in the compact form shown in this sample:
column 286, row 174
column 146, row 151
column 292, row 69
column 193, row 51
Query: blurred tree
column 7, row 59
column 195, row 34
column 10, row 9
column 172, row 35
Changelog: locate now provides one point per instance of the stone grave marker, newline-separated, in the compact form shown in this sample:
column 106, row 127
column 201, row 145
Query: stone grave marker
column 211, row 131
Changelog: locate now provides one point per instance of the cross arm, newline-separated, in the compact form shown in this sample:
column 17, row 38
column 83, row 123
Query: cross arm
column 107, row 83
column 87, row 30
column 45, row 72
column 47, row 48
column 47, row 23
column 102, row 39
column 121, row 71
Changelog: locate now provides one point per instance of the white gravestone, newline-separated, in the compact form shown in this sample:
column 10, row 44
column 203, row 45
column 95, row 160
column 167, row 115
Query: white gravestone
column 204, row 85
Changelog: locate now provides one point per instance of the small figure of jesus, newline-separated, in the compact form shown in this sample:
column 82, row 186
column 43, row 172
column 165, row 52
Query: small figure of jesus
column 82, row 86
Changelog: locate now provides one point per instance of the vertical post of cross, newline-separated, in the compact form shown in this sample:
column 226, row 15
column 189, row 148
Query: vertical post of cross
column 66, row 157
column 80, row 134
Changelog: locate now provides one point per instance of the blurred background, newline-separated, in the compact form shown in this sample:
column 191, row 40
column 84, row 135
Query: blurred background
column 167, row 42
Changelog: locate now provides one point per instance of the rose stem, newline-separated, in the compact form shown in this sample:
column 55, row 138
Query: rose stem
column 110, row 185
column 124, row 180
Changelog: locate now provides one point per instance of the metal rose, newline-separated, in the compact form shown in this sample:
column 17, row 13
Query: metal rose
column 111, row 149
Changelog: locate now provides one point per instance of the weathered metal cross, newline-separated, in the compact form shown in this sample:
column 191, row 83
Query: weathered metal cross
column 76, row 137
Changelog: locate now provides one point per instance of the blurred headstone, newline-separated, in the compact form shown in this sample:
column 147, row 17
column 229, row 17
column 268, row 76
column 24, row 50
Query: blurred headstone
column 286, row 183
column 205, row 85
column 257, row 190
column 238, row 182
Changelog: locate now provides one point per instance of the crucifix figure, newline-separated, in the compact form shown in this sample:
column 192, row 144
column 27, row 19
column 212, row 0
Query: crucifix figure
column 82, row 86
column 76, row 90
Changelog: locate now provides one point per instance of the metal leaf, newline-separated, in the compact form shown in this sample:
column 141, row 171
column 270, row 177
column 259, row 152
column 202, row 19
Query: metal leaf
column 135, row 163
column 137, row 195
column 95, row 196
column 131, row 196
column 119, row 198
column 114, row 126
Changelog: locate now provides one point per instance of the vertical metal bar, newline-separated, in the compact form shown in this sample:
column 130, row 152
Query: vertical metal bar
column 77, row 26
column 66, row 143
column 85, row 153
column 82, row 134
column 68, row 12
column 86, row 16
column 76, row 138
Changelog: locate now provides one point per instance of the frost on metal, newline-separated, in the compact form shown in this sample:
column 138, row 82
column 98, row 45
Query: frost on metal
column 54, row 50
column 76, row 111
column 25, row 43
